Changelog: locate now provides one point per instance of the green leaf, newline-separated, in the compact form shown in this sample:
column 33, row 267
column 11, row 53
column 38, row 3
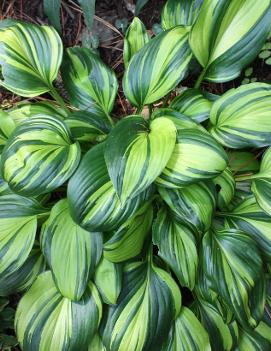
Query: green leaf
column 194, row 205
column 45, row 320
column 243, row 162
column 108, row 279
column 192, row 103
column 96, row 344
column 158, row 67
column 233, row 263
column 136, row 37
column 87, row 126
column 249, row 217
column 249, row 71
column 225, row 185
column 18, row 222
column 261, row 184
column 218, row 331
column 30, row 56
column 268, row 61
column 180, row 12
column 24, row 276
column 127, row 241
column 90, row 84
column 250, row 340
column 187, row 334
column 265, row 54
column 240, row 118
column 39, row 156
column 82, row 251
column 52, row 11
column 94, row 204
column 139, row 5
column 135, row 161
column 228, row 35
column 177, row 247
column 196, row 156
column 180, row 120
column 149, row 301
column 88, row 7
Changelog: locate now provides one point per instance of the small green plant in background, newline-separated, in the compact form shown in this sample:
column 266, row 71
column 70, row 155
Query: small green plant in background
column 248, row 76
column 149, row 233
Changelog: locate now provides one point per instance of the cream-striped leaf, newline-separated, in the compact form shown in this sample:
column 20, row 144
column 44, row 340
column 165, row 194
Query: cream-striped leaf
column 158, row 67
column 241, row 117
column 127, row 241
column 45, row 320
column 30, row 56
column 135, row 161
column 177, row 247
column 62, row 237
column 23, row 277
column 94, row 204
column 149, row 301
column 108, row 279
column 96, row 344
column 233, row 263
column 39, row 156
column 196, row 156
column 228, row 35
column 251, row 340
column 180, row 120
column 89, row 82
column 249, row 217
column 136, row 37
column 18, row 223
column 87, row 126
column 225, row 185
column 187, row 334
column 180, row 12
column 192, row 103
column 218, row 331
column 194, row 205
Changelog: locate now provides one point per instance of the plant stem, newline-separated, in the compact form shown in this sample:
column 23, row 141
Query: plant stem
column 200, row 79
column 244, row 177
column 54, row 93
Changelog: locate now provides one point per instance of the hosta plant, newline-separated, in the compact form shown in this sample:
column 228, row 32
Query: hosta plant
column 151, row 232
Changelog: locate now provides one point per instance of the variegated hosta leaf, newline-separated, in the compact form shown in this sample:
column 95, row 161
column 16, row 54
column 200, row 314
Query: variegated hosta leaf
column 192, row 103
column 108, row 279
column 228, row 35
column 264, row 329
column 180, row 12
column 18, row 223
column 89, row 82
column 177, row 247
column 218, row 331
column 225, row 185
column 136, row 37
column 187, row 334
column 62, row 237
column 194, row 205
column 88, row 126
column 249, row 217
column 96, row 344
column 39, row 156
column 127, row 241
column 196, row 156
column 261, row 184
column 233, row 263
column 149, row 301
column 94, row 204
column 23, row 278
column 181, row 121
column 4, row 188
column 241, row 117
column 158, row 67
column 45, row 320
column 251, row 340
column 7, row 126
column 243, row 162
column 135, row 161
column 30, row 56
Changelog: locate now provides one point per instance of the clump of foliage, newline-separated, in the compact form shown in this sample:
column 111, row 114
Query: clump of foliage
column 150, row 233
